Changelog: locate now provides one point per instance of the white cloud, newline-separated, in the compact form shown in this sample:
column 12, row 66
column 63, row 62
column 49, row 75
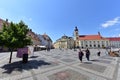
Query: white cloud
column 117, row 35
column 111, row 22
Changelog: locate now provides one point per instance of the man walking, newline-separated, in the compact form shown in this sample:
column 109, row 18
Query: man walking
column 87, row 54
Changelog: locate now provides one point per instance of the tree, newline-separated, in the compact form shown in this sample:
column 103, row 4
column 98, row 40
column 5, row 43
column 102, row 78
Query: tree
column 14, row 36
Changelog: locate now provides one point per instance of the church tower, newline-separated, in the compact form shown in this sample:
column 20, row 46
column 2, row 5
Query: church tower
column 76, row 37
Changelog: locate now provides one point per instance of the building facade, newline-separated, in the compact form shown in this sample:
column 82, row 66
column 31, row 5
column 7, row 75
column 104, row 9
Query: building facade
column 64, row 42
column 93, row 43
column 45, row 41
column 35, row 39
column 114, row 42
column 90, row 41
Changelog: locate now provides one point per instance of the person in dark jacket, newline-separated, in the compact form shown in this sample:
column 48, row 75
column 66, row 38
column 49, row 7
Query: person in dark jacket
column 80, row 54
column 98, row 53
column 87, row 54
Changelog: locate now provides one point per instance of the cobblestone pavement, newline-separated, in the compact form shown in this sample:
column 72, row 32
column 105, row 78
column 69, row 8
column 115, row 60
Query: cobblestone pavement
column 60, row 65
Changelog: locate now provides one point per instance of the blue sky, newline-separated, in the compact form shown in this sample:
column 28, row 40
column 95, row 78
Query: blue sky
column 59, row 17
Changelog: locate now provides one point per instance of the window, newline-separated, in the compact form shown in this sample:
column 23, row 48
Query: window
column 103, row 46
column 90, row 41
column 90, row 45
column 97, row 41
column 81, row 42
column 102, row 42
column 98, row 45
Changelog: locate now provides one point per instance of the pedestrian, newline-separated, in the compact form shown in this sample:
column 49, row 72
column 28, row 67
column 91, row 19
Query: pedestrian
column 98, row 53
column 87, row 54
column 80, row 54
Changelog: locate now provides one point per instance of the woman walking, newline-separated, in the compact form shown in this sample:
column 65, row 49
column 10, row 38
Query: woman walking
column 80, row 54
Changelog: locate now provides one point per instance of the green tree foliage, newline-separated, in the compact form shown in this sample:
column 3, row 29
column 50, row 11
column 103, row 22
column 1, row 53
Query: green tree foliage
column 14, row 36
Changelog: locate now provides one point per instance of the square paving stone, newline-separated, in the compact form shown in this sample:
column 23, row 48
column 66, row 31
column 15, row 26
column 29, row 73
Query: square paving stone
column 110, row 58
column 69, row 74
column 102, row 61
column 67, row 55
column 105, row 61
column 52, row 64
column 67, row 60
column 94, row 67
column 57, row 57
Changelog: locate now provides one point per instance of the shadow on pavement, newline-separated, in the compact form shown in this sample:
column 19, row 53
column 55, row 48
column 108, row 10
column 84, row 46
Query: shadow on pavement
column 19, row 66
column 87, row 62
column 95, row 60
column 34, row 56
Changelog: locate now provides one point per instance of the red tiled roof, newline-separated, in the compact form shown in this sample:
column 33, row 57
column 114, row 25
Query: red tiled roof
column 114, row 38
column 33, row 36
column 91, row 37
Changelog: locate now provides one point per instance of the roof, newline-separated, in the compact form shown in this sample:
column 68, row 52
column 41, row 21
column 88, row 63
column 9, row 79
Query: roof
column 46, row 37
column 1, row 23
column 114, row 38
column 90, row 37
column 33, row 35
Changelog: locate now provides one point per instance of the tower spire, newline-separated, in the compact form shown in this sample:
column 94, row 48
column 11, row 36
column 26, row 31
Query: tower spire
column 76, row 29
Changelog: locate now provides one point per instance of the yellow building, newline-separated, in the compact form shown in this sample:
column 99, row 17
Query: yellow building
column 64, row 42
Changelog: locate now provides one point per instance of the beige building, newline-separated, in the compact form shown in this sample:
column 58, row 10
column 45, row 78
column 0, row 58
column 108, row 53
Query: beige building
column 64, row 42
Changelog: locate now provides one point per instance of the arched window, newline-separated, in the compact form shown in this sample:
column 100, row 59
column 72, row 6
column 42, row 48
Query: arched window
column 98, row 45
column 90, row 45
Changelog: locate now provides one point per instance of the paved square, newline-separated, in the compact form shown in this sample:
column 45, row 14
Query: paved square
column 60, row 65
column 94, row 67
column 68, row 75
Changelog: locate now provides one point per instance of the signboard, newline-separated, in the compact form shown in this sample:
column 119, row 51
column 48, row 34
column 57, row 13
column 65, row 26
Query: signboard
column 22, row 51
column 30, row 50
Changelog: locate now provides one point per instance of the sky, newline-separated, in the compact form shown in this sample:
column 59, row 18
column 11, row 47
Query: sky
column 59, row 17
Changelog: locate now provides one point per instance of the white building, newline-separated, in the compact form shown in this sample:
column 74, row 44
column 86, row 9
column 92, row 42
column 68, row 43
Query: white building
column 90, row 41
column 114, row 42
